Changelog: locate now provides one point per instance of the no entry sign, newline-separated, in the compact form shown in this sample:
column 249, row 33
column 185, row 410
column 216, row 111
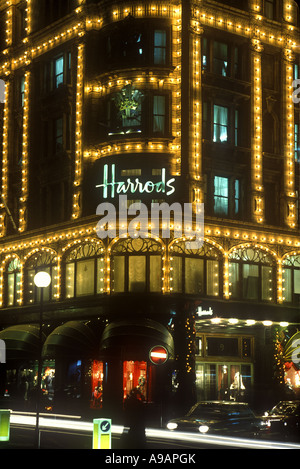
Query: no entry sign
column 158, row 355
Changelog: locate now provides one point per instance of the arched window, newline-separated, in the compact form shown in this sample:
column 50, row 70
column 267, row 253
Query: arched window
column 45, row 261
column 136, row 266
column 195, row 272
column 13, row 283
column 84, row 270
column 251, row 275
column 291, row 278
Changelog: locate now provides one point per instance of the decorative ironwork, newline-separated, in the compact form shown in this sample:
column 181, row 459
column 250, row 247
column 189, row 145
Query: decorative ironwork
column 252, row 255
column 83, row 251
column 206, row 250
column 292, row 261
column 42, row 258
column 136, row 245
column 14, row 266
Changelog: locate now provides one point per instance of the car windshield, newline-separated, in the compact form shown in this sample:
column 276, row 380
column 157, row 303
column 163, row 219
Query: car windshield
column 219, row 411
column 285, row 408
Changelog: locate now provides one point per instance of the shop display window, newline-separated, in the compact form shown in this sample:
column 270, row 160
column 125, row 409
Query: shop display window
column 223, row 381
column 97, row 384
column 137, row 375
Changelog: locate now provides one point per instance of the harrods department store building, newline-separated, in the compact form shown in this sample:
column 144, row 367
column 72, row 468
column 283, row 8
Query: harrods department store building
column 188, row 102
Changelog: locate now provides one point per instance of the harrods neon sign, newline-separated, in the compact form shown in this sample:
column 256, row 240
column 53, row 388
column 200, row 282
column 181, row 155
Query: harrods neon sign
column 111, row 187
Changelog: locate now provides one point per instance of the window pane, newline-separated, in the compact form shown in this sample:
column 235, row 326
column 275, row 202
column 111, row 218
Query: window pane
column 220, row 124
column 155, row 273
column 70, row 277
column 220, row 58
column 159, row 111
column 193, row 275
column 85, row 277
column 250, row 281
column 221, row 196
column 137, row 273
column 119, row 274
column 287, row 285
column 160, row 47
column 177, row 274
column 59, row 71
column 58, row 134
column 234, row 279
column 212, row 278
column 204, row 54
column 237, row 197
column 297, row 282
column 18, row 286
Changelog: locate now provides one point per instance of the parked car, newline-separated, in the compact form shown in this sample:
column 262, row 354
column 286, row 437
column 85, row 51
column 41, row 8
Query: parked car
column 219, row 418
column 283, row 421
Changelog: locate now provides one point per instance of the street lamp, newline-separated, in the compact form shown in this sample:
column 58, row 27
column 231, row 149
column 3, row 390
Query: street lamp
column 41, row 280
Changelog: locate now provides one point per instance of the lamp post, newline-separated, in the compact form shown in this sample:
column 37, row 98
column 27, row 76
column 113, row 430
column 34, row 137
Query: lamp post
column 41, row 280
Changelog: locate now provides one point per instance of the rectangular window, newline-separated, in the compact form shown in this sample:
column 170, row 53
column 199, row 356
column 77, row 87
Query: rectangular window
column 220, row 62
column 160, row 47
column 205, row 128
column 236, row 127
column 22, row 90
column 212, row 278
column 234, row 276
column 59, row 71
column 70, row 280
column 287, row 284
column 204, row 54
column 220, row 124
column 223, row 346
column 85, row 277
column 155, row 273
column 58, row 124
column 236, row 197
column 250, row 281
column 236, row 63
column 119, row 274
column 137, row 273
column 269, row 9
column 194, row 276
column 221, row 196
column 176, row 274
column 297, row 281
column 159, row 114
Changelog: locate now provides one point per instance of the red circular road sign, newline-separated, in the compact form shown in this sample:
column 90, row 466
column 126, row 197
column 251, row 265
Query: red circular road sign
column 158, row 355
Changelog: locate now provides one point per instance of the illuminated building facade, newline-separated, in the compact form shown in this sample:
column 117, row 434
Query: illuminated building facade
column 193, row 95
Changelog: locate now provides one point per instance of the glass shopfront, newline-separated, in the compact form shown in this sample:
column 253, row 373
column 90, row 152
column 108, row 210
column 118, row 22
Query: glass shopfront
column 137, row 375
column 223, row 381
column 224, row 368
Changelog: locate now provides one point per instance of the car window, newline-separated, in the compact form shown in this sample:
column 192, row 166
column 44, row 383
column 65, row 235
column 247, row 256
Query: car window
column 214, row 411
column 284, row 408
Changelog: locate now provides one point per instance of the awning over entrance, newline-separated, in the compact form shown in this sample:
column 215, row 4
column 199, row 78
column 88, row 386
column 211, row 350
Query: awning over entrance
column 137, row 334
column 21, row 342
column 72, row 339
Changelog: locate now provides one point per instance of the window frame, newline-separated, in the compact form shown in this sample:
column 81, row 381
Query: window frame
column 74, row 258
column 241, row 263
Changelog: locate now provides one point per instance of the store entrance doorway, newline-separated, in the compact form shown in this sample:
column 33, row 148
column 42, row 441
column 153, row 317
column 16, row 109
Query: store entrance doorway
column 223, row 381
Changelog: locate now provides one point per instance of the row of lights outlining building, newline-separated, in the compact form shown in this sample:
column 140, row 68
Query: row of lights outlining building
column 104, row 98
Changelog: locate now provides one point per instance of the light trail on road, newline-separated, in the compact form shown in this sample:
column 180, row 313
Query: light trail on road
column 74, row 423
